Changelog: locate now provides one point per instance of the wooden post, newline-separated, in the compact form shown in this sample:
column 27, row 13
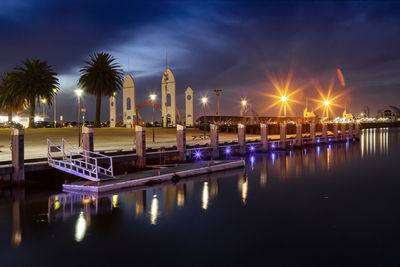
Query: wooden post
column 358, row 132
column 351, row 131
column 282, row 132
column 214, row 139
column 324, row 132
column 181, row 142
column 17, row 155
column 242, row 138
column 87, row 138
column 140, row 146
column 264, row 136
column 299, row 135
column 343, row 130
column 335, row 132
column 312, row 133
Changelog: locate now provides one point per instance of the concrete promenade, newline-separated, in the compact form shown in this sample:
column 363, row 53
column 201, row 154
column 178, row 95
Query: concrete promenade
column 105, row 139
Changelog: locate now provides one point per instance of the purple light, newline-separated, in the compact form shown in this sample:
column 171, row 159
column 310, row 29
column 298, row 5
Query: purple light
column 197, row 154
column 252, row 148
column 273, row 146
column 228, row 150
column 318, row 141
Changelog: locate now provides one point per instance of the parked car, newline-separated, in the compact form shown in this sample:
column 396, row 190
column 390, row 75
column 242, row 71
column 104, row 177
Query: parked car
column 9, row 124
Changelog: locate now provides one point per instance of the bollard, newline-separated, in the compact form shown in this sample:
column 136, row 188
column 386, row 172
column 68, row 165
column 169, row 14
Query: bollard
column 312, row 133
column 299, row 135
column 87, row 138
column 357, row 132
column 343, row 130
column 324, row 132
column 351, row 131
column 17, row 155
column 242, row 138
column 140, row 146
column 181, row 142
column 335, row 132
column 282, row 132
column 214, row 139
column 264, row 136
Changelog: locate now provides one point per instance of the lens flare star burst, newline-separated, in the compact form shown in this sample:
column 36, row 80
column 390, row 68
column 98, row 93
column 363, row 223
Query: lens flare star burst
column 287, row 93
column 327, row 101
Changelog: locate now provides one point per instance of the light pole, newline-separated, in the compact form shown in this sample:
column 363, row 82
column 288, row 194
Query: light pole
column 152, row 98
column 326, row 104
column 284, row 100
column 79, row 93
column 44, row 105
column 55, row 103
column 244, row 103
column 204, row 102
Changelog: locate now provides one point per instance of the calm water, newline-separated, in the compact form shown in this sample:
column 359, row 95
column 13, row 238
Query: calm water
column 327, row 206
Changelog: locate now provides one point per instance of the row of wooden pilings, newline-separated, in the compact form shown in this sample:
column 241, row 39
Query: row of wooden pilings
column 265, row 144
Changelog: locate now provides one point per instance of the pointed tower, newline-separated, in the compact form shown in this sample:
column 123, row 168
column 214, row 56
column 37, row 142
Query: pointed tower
column 113, row 110
column 128, row 101
column 168, row 106
column 189, row 107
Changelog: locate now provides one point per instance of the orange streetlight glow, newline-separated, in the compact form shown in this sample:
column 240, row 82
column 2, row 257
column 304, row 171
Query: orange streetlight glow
column 286, row 93
column 328, row 101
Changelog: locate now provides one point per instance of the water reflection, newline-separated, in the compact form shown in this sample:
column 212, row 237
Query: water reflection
column 151, row 205
column 154, row 210
column 205, row 197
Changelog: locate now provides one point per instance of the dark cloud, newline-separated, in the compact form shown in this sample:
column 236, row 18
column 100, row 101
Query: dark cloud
column 226, row 45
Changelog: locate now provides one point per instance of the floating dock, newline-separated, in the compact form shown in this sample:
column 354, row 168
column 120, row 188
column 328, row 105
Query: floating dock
column 154, row 176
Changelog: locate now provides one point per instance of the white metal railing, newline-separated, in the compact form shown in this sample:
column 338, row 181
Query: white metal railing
column 78, row 161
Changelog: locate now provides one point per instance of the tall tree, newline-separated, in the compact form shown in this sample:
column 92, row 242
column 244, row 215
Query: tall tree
column 12, row 99
column 101, row 76
column 37, row 80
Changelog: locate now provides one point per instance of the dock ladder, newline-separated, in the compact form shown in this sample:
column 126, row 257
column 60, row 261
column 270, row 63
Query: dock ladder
column 83, row 163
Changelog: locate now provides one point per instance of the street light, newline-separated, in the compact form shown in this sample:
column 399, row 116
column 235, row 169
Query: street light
column 44, row 104
column 152, row 98
column 284, row 100
column 55, row 114
column 79, row 93
column 244, row 103
column 204, row 101
column 326, row 104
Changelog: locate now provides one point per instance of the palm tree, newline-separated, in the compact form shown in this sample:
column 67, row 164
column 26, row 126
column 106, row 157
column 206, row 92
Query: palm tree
column 37, row 80
column 11, row 98
column 101, row 76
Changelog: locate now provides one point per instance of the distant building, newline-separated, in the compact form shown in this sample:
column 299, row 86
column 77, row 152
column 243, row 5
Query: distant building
column 390, row 113
column 309, row 115
column 348, row 116
column 21, row 118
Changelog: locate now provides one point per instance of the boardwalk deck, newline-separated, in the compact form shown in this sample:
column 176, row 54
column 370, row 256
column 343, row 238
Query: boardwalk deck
column 154, row 176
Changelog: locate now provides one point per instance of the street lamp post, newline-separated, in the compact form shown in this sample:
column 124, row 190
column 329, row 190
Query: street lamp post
column 326, row 104
column 44, row 105
column 78, row 93
column 244, row 103
column 152, row 98
column 284, row 100
column 204, row 102
column 55, row 108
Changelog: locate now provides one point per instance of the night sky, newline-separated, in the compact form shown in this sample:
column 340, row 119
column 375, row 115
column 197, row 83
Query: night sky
column 230, row 45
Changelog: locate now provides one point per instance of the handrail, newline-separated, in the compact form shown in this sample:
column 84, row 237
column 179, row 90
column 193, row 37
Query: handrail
column 81, row 162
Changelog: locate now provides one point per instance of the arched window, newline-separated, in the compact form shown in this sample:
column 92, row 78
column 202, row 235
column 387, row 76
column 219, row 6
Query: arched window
column 128, row 103
column 112, row 103
column 168, row 100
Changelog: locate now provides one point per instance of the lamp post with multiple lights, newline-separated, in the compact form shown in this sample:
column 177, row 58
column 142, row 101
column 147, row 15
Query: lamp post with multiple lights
column 204, row 101
column 244, row 103
column 153, row 98
column 284, row 100
column 79, row 93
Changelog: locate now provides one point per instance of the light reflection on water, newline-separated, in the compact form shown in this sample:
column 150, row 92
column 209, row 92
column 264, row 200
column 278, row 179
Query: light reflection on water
column 203, row 193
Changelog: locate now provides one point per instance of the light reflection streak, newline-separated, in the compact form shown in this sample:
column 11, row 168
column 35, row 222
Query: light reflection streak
column 205, row 196
column 154, row 210
column 245, row 185
column 80, row 227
